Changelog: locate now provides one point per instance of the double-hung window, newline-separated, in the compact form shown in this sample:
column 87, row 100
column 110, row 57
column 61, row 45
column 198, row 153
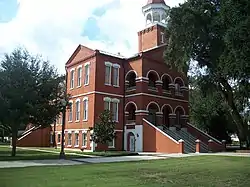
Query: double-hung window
column 115, row 109
column 107, row 102
column 84, row 139
column 72, row 75
column 85, row 109
column 79, row 76
column 76, row 139
column 116, row 69
column 86, row 73
column 69, row 139
column 78, row 110
column 70, row 117
column 108, row 70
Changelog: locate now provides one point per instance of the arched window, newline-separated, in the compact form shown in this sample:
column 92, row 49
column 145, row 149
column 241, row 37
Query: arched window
column 178, row 83
column 165, row 82
column 156, row 17
column 131, row 79
column 131, row 108
column 152, row 78
column 179, row 111
column 152, row 109
column 166, row 110
column 149, row 18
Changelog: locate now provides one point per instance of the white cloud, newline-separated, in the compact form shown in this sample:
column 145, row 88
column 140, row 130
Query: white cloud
column 53, row 27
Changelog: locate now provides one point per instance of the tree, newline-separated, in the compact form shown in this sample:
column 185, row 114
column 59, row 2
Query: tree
column 214, row 34
column 209, row 112
column 104, row 130
column 28, row 92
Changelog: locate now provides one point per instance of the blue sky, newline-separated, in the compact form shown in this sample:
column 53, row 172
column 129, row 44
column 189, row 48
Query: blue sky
column 54, row 28
column 8, row 10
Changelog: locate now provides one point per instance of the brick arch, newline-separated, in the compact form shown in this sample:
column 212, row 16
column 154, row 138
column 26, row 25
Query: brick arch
column 130, row 72
column 179, row 78
column 130, row 102
column 153, row 102
column 167, row 105
column 165, row 74
column 155, row 72
column 180, row 107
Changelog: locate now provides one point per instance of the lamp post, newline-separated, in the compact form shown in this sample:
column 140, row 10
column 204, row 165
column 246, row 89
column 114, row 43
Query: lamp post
column 64, row 105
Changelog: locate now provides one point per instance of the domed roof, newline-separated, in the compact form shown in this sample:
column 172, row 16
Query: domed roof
column 156, row 2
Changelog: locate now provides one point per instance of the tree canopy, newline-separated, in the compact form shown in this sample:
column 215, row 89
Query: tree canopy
column 215, row 34
column 29, row 92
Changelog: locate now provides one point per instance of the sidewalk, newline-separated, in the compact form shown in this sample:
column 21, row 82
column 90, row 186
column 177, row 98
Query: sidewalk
column 77, row 161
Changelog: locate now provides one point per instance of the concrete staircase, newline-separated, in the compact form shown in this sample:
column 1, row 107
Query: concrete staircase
column 189, row 140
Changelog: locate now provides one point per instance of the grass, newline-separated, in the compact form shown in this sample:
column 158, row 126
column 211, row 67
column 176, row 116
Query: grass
column 23, row 154
column 96, row 153
column 205, row 171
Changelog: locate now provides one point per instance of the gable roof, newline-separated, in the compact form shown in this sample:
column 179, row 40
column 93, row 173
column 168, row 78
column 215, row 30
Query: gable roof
column 80, row 52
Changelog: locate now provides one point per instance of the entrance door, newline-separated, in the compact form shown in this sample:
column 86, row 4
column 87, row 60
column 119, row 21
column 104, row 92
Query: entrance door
column 132, row 143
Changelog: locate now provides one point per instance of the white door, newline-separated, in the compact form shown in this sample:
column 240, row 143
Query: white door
column 132, row 143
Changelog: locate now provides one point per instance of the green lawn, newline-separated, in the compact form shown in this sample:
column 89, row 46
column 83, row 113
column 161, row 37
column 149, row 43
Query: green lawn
column 23, row 154
column 202, row 171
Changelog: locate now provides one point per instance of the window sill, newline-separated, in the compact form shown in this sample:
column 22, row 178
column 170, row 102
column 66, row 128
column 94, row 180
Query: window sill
column 76, row 146
column 85, row 120
column 77, row 121
column 71, row 88
column 69, row 145
column 111, row 147
column 86, row 84
column 79, row 86
column 84, row 147
column 117, row 86
column 106, row 84
column 70, row 121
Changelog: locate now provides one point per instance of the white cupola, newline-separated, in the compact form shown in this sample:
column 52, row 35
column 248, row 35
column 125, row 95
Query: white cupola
column 156, row 11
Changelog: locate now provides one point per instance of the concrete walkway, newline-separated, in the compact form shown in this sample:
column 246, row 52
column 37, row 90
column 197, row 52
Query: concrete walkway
column 28, row 163
column 77, row 161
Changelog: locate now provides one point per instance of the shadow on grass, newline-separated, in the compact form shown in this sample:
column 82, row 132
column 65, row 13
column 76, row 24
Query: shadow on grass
column 21, row 154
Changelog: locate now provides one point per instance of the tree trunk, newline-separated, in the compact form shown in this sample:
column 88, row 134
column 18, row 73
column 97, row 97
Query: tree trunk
column 228, row 95
column 14, row 141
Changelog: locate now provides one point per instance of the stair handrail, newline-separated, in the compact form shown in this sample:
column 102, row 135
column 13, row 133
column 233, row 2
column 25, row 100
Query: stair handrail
column 212, row 138
column 28, row 132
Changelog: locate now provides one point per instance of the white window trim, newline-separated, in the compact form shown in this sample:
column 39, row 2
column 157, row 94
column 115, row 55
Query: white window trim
column 78, row 86
column 108, row 64
column 84, row 146
column 68, row 139
column 85, row 118
column 72, row 86
column 117, row 66
column 116, row 101
column 86, row 65
column 71, row 102
column 113, row 146
column 78, row 139
column 107, row 99
column 162, row 37
column 79, row 101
